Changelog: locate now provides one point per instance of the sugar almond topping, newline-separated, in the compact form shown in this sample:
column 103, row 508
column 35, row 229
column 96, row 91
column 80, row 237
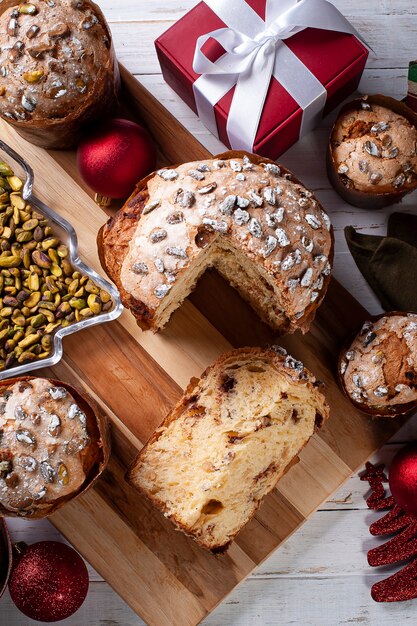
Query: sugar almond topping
column 43, row 432
column 269, row 247
column 140, row 268
column 379, row 368
column 374, row 148
column 266, row 213
column 50, row 57
column 241, row 217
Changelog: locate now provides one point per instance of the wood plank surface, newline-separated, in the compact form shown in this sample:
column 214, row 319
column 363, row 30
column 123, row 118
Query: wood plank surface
column 163, row 575
column 319, row 576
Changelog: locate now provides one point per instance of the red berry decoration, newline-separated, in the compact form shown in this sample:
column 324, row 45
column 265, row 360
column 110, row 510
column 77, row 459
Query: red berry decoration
column 403, row 479
column 400, row 524
column 49, row 581
column 115, row 156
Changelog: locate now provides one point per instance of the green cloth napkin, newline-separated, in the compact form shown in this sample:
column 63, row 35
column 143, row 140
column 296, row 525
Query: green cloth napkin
column 389, row 264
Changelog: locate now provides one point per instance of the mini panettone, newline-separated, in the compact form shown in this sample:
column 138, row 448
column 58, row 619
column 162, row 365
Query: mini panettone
column 58, row 69
column 378, row 369
column 247, row 217
column 228, row 441
column 54, row 444
column 372, row 158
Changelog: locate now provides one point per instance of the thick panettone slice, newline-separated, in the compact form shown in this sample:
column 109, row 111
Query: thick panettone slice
column 228, row 441
column 244, row 215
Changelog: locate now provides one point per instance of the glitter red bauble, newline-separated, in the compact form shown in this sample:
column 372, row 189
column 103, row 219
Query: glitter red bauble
column 403, row 479
column 49, row 581
column 116, row 156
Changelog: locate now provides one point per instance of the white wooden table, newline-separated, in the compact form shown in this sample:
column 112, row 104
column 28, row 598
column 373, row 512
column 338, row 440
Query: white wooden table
column 320, row 577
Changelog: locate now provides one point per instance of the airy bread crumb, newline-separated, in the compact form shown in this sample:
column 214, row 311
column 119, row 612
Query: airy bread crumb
column 228, row 441
column 264, row 232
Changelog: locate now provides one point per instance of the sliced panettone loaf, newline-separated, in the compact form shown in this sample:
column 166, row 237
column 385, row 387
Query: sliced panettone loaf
column 244, row 215
column 228, row 441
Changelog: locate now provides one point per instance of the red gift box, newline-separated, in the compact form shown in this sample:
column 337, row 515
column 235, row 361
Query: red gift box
column 336, row 59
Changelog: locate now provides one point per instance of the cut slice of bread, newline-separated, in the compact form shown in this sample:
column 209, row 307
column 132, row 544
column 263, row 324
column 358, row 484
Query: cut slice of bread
column 228, row 441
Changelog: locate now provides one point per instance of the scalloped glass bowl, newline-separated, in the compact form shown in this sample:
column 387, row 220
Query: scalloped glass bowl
column 68, row 236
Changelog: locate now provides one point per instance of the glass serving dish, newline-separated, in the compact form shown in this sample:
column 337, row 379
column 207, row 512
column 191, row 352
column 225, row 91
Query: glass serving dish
column 67, row 235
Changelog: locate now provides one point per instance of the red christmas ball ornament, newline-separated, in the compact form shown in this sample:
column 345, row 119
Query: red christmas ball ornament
column 49, row 581
column 403, row 478
column 114, row 157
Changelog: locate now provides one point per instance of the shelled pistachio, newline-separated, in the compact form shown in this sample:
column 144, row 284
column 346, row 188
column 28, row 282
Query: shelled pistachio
column 40, row 291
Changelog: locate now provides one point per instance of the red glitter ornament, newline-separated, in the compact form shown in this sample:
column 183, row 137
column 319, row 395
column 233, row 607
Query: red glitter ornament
column 49, row 581
column 403, row 479
column 403, row 584
column 116, row 156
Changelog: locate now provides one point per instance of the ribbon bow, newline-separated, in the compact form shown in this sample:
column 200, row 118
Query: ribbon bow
column 255, row 50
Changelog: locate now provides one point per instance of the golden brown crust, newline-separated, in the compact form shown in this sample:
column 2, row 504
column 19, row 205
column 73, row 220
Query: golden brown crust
column 379, row 196
column 277, row 357
column 393, row 367
column 62, row 130
column 94, row 457
column 114, row 239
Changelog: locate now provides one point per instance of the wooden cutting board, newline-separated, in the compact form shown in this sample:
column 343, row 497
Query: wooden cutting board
column 137, row 377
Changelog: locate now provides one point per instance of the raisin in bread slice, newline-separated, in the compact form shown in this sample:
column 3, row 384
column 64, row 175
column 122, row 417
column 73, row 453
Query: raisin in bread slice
column 228, row 441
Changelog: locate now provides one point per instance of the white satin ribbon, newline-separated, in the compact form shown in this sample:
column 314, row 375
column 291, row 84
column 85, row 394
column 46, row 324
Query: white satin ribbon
column 256, row 51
